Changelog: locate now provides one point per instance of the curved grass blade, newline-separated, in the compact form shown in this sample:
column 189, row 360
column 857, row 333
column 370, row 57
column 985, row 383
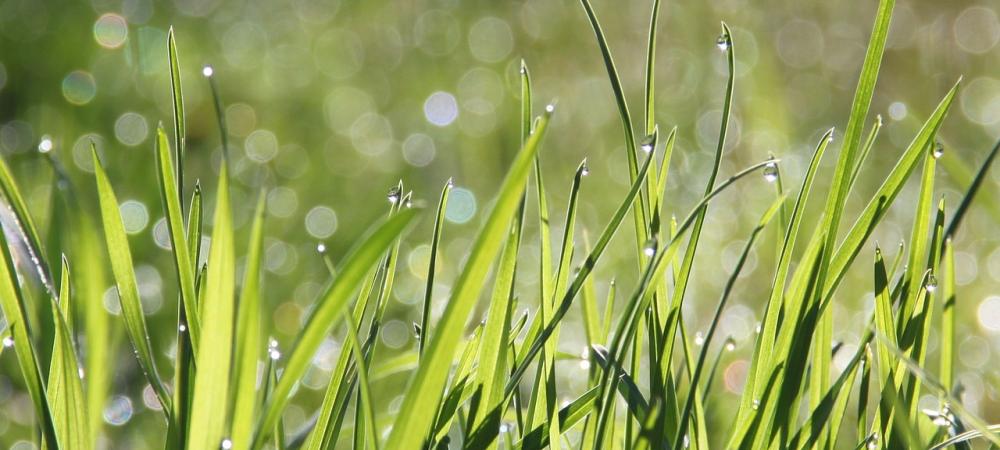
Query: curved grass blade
column 432, row 267
column 13, row 303
column 355, row 266
column 424, row 391
column 128, row 293
column 685, row 416
column 970, row 193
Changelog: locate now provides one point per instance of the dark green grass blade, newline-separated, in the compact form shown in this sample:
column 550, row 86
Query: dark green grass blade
column 128, row 293
column 424, row 391
column 425, row 329
column 363, row 386
column 356, row 265
column 177, row 103
column 970, row 193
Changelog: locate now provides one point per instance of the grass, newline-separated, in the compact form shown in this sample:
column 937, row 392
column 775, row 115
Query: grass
column 650, row 382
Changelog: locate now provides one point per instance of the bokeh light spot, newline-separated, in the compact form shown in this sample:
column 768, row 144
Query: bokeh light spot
column 441, row 109
column 110, row 30
column 79, row 87
column 461, row 205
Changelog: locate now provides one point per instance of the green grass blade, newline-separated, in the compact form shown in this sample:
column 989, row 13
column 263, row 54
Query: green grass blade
column 970, row 193
column 355, row 266
column 424, row 391
column 175, row 226
column 432, row 267
column 177, row 102
column 128, row 293
column 363, row 386
column 948, row 321
column 248, row 336
column 13, row 303
column 65, row 388
column 209, row 404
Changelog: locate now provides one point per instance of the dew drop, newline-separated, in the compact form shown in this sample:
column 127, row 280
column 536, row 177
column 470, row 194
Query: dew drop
column 648, row 143
column 699, row 339
column 451, row 183
column 226, row 444
column 550, row 108
column 650, row 248
column 393, row 194
column 416, row 330
column 730, row 345
column 45, row 145
column 409, row 202
column 723, row 42
column 771, row 172
column 757, row 329
column 755, row 404
column 8, row 342
column 207, row 71
column 182, row 328
column 932, row 283
column 274, row 354
column 321, row 248
column 938, row 150
column 584, row 168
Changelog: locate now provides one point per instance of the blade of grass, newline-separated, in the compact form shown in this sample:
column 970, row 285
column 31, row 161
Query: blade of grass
column 432, row 267
column 248, row 335
column 177, row 97
column 65, row 389
column 128, row 293
column 424, row 391
column 355, row 266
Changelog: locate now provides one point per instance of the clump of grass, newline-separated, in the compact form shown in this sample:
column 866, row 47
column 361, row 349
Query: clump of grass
column 498, row 388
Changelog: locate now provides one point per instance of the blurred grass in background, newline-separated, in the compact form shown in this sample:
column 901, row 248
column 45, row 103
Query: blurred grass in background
column 328, row 103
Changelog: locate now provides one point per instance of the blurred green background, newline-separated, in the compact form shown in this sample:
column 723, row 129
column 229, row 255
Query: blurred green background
column 328, row 103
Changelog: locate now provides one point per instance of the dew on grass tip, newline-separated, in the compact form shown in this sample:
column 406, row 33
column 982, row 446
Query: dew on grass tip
column 8, row 342
column 931, row 284
column 648, row 142
column 650, row 248
column 207, row 71
column 723, row 42
column 45, row 145
column 321, row 248
column 393, row 194
column 550, row 108
column 771, row 172
column 699, row 339
column 226, row 444
column 584, row 168
column 938, row 150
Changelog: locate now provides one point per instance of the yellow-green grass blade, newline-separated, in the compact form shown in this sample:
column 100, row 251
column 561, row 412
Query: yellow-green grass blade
column 170, row 196
column 948, row 318
column 209, row 404
column 355, row 266
column 65, row 388
column 413, row 423
column 248, row 336
column 569, row 415
column 124, row 274
column 934, row 385
column 866, row 150
column 685, row 416
column 763, row 347
column 683, row 275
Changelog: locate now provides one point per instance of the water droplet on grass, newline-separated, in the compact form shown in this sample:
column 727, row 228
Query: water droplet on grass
column 650, row 248
column 226, row 444
column 584, row 168
column 723, row 42
column 932, row 283
column 321, row 248
column 207, row 71
column 393, row 194
column 938, row 150
column 8, row 342
column 771, row 172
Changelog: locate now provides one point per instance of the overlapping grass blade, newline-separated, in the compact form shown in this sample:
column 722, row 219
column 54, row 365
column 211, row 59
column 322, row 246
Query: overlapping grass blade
column 354, row 268
column 424, row 391
column 65, row 388
column 432, row 267
column 248, row 336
